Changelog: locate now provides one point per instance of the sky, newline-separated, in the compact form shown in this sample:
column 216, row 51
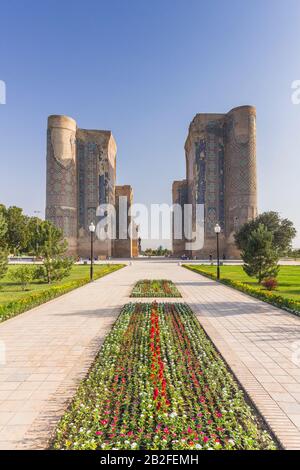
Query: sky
column 143, row 69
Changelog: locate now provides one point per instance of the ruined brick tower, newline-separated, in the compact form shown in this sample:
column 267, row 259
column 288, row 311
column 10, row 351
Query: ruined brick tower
column 220, row 174
column 81, row 175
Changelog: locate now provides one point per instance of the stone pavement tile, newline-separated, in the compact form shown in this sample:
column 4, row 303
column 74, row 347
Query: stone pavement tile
column 23, row 418
column 13, row 432
column 9, row 385
column 285, row 379
column 274, row 387
column 11, row 405
column 4, row 394
column 5, row 416
column 292, row 387
column 296, row 420
column 290, row 409
column 282, row 397
column 20, row 394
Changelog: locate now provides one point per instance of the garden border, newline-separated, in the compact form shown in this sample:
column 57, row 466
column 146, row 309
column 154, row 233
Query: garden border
column 9, row 310
column 267, row 297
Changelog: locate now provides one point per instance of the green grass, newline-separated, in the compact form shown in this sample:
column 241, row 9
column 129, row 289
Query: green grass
column 11, row 291
column 288, row 279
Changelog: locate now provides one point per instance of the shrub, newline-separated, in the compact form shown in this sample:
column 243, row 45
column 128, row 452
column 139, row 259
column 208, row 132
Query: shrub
column 3, row 263
column 23, row 274
column 270, row 283
column 54, row 269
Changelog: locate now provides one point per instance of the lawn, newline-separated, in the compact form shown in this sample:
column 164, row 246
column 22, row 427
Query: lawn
column 14, row 301
column 288, row 279
column 158, row 383
column 155, row 288
column 10, row 290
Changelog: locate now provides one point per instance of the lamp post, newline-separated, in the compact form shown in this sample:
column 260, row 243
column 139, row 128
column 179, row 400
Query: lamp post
column 217, row 232
column 92, row 229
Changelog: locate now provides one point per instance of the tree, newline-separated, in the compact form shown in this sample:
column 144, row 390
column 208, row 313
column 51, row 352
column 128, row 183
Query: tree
column 283, row 232
column 17, row 232
column 23, row 274
column 54, row 269
column 52, row 247
column 3, row 229
column 36, row 235
column 260, row 256
column 3, row 263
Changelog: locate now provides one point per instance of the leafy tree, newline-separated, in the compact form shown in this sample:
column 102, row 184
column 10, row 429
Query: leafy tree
column 54, row 269
column 3, row 229
column 259, row 254
column 23, row 274
column 52, row 247
column 17, row 232
column 36, row 235
column 3, row 263
column 283, row 232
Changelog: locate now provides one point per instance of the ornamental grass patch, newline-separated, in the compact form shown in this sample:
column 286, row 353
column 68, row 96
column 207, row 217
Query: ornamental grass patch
column 155, row 288
column 159, row 383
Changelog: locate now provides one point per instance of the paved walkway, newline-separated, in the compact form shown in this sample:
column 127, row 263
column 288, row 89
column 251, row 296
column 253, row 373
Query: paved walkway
column 49, row 349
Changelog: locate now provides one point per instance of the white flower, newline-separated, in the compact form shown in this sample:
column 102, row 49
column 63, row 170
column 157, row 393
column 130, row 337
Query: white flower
column 133, row 445
column 198, row 446
column 231, row 441
column 173, row 414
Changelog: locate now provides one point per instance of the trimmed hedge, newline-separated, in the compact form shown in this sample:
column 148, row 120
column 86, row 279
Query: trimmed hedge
column 290, row 305
column 15, row 307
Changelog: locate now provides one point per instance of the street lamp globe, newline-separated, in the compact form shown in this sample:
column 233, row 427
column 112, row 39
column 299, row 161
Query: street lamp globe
column 92, row 228
column 217, row 228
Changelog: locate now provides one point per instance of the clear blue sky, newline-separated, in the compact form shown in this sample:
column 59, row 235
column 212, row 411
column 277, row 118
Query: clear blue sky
column 143, row 69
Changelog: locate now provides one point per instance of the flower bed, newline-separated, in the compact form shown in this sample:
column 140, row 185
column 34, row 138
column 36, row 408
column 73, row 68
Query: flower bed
column 158, row 383
column 15, row 307
column 292, row 306
column 155, row 288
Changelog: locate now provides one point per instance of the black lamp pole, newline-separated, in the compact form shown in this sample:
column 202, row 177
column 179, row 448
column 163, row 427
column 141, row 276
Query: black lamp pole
column 92, row 230
column 92, row 257
column 218, row 257
column 217, row 232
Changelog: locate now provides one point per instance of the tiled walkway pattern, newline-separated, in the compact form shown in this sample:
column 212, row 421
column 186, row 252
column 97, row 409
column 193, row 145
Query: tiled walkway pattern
column 49, row 349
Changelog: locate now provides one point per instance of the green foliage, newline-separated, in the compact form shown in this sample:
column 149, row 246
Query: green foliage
column 3, row 229
column 23, row 275
column 3, row 263
column 160, row 251
column 17, row 232
column 260, row 256
column 283, row 232
column 295, row 254
column 50, row 244
column 54, row 269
